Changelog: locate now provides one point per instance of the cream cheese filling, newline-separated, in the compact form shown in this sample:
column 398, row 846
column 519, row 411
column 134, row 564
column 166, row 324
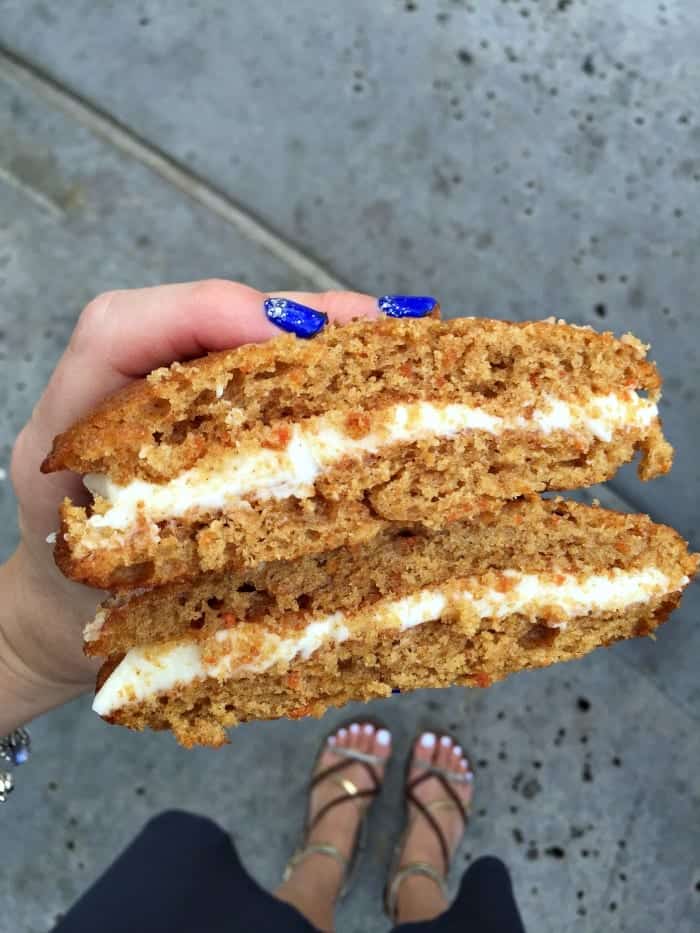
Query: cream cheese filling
column 320, row 443
column 145, row 671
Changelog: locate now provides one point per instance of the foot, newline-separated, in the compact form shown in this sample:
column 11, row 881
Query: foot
column 339, row 826
column 419, row 897
column 315, row 882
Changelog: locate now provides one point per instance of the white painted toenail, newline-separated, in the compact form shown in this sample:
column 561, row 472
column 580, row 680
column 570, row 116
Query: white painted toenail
column 332, row 740
column 427, row 740
column 383, row 737
column 354, row 728
column 457, row 751
column 445, row 741
column 369, row 728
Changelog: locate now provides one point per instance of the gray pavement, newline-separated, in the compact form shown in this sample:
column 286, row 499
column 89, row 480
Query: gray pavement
column 517, row 159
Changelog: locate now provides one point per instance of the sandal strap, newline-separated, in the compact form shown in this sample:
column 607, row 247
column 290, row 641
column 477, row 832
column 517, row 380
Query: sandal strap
column 443, row 804
column 349, row 761
column 425, row 809
column 350, row 790
column 434, row 825
column 314, row 848
column 440, row 775
column 454, row 777
column 412, row 868
column 341, row 798
column 356, row 755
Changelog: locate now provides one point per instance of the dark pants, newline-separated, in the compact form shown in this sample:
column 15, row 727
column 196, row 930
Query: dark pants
column 182, row 875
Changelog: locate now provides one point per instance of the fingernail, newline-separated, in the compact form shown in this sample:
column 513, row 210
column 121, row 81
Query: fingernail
column 396, row 690
column 457, row 751
column 469, row 776
column 342, row 733
column 331, row 740
column 427, row 740
column 368, row 728
column 445, row 741
column 354, row 728
column 383, row 737
column 294, row 318
column 407, row 305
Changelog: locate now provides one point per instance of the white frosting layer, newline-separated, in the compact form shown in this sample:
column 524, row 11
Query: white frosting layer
column 144, row 672
column 317, row 445
column 92, row 630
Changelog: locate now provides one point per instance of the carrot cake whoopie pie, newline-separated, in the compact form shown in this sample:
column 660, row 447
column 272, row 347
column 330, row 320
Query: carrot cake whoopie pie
column 539, row 582
column 292, row 525
column 293, row 447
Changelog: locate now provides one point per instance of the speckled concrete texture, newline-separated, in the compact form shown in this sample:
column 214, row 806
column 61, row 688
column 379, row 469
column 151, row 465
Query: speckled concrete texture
column 517, row 159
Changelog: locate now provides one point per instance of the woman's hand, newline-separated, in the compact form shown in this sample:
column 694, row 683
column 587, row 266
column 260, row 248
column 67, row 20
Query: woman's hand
column 119, row 336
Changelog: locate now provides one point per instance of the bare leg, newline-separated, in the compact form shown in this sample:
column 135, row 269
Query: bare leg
column 315, row 882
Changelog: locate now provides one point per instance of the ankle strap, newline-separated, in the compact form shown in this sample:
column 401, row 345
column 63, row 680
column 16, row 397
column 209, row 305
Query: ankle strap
column 315, row 848
column 412, row 868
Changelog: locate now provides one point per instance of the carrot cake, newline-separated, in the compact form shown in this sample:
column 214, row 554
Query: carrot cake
column 293, row 447
column 538, row 582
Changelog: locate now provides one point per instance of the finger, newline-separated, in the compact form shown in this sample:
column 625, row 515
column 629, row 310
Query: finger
column 126, row 334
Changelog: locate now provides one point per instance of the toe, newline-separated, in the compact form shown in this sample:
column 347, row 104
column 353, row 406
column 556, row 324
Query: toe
column 342, row 737
column 381, row 745
column 424, row 749
column 462, row 767
column 355, row 737
column 366, row 736
column 327, row 756
column 368, row 730
column 463, row 763
column 443, row 759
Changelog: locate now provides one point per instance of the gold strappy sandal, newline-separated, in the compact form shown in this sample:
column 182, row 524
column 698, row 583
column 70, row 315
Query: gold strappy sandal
column 350, row 792
column 397, row 875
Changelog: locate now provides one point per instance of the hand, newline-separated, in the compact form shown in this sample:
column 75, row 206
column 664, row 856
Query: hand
column 119, row 336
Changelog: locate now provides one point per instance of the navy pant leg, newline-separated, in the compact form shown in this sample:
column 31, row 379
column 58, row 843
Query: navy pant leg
column 180, row 875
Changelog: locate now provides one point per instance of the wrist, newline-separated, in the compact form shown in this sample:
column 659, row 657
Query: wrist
column 41, row 662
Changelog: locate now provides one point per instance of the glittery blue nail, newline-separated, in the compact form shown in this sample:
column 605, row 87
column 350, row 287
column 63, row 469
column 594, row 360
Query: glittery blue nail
column 294, row 318
column 407, row 305
column 396, row 690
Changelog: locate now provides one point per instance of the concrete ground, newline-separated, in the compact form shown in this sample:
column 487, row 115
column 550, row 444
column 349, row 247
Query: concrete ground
column 516, row 159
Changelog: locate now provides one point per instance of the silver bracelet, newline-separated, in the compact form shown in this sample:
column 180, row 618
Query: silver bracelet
column 14, row 749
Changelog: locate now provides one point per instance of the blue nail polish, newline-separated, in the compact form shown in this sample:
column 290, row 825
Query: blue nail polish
column 294, row 318
column 407, row 305
column 396, row 690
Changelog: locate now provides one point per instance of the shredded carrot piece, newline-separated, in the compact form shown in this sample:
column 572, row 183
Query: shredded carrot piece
column 482, row 679
column 278, row 438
